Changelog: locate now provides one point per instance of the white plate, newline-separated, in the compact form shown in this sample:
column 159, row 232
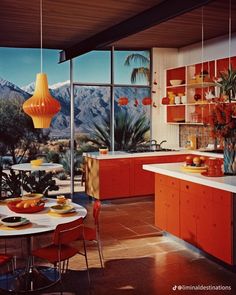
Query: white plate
column 14, row 221
column 62, row 208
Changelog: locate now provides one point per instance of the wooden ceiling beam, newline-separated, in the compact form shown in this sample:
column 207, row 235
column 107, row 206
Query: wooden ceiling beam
column 162, row 12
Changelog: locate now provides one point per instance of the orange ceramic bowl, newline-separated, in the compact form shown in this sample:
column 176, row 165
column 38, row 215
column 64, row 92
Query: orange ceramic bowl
column 12, row 206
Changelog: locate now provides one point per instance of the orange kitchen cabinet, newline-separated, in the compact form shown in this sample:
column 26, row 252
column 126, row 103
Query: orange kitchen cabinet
column 172, row 216
column 144, row 180
column 167, row 204
column 206, row 219
column 222, row 226
column 198, row 214
column 203, row 218
column 188, row 221
column 161, row 206
column 114, row 178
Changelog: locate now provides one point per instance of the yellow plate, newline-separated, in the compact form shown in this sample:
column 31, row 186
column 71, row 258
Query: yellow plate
column 194, row 169
column 61, row 209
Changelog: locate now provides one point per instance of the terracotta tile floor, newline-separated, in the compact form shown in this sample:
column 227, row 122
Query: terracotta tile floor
column 138, row 258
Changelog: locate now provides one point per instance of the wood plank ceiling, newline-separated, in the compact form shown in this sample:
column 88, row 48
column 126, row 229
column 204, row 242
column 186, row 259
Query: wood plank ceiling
column 68, row 22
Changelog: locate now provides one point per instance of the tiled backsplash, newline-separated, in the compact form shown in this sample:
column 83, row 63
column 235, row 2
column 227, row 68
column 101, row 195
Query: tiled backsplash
column 202, row 133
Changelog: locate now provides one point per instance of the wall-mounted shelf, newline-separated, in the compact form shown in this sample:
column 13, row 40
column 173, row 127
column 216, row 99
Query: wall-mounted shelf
column 193, row 76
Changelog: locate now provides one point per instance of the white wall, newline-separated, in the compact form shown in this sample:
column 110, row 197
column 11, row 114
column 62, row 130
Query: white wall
column 163, row 58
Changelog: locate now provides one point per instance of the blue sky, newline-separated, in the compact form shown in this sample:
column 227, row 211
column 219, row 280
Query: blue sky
column 20, row 66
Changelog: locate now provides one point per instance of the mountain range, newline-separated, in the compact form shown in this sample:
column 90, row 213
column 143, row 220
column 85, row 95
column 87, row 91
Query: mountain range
column 92, row 104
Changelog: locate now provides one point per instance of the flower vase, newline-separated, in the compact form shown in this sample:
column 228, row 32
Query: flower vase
column 230, row 156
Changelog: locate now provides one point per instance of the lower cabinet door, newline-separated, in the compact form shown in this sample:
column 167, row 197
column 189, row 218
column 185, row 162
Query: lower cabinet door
column 222, row 228
column 114, row 179
column 188, row 225
column 204, row 221
column 160, row 207
column 172, row 216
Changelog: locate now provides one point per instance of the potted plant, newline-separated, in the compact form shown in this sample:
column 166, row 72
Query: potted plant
column 227, row 84
column 222, row 121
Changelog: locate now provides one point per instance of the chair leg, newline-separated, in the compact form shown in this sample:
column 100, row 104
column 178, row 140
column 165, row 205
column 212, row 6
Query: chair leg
column 86, row 260
column 100, row 253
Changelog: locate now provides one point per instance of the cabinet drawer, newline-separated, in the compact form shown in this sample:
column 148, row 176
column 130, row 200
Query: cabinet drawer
column 195, row 188
column 167, row 181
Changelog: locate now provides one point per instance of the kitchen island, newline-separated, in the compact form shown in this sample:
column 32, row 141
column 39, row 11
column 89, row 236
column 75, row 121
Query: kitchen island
column 121, row 175
column 197, row 209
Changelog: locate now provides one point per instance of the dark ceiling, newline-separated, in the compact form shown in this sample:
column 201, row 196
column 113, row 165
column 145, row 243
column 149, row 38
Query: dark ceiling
column 73, row 22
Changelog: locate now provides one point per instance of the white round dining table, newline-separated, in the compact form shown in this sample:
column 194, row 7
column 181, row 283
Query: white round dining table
column 43, row 167
column 40, row 222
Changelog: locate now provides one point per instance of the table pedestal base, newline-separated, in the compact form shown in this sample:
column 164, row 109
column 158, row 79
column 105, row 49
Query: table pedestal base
column 24, row 282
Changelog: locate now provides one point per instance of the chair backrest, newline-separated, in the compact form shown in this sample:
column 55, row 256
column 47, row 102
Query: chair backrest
column 66, row 233
column 96, row 211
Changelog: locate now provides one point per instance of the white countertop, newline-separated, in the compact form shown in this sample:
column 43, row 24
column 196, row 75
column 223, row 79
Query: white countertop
column 227, row 183
column 123, row 155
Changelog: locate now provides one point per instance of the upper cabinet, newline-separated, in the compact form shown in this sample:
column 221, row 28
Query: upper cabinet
column 190, row 90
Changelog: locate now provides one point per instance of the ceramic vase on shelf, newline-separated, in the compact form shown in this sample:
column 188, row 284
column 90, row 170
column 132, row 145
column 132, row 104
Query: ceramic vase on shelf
column 230, row 156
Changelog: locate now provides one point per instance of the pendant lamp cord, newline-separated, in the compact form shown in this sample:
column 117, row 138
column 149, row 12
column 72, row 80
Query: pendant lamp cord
column 202, row 53
column 41, row 34
column 230, row 27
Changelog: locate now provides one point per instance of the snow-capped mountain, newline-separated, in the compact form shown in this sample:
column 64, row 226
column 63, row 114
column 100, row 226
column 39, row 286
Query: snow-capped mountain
column 29, row 88
column 92, row 104
column 9, row 90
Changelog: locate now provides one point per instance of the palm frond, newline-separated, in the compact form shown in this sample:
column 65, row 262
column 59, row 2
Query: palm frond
column 140, row 73
column 136, row 57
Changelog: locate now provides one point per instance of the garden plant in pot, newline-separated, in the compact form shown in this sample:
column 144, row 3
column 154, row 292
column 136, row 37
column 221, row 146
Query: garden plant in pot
column 227, row 84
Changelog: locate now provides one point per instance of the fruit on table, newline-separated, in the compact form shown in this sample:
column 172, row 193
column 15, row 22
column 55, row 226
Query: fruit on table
column 28, row 203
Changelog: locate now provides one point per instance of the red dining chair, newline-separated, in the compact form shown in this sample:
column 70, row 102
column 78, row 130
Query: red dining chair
column 60, row 250
column 7, row 261
column 93, row 234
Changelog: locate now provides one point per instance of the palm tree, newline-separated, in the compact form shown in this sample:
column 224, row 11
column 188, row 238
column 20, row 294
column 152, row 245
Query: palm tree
column 139, row 72
column 130, row 131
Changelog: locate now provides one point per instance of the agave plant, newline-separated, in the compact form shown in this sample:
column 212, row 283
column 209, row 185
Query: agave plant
column 142, row 71
column 227, row 83
column 129, row 131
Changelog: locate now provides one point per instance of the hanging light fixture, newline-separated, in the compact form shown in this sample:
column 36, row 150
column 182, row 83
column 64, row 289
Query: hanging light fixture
column 41, row 107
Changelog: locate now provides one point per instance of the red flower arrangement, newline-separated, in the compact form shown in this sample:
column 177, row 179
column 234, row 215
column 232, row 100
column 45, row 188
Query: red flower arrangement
column 223, row 120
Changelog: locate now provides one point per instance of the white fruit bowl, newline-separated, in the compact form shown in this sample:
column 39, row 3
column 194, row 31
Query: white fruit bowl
column 176, row 82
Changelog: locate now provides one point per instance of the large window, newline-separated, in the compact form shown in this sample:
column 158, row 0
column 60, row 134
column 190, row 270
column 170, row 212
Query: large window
column 96, row 91
column 131, row 67
column 93, row 67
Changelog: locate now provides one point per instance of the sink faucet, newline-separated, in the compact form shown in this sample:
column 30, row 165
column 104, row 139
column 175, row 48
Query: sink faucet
column 162, row 142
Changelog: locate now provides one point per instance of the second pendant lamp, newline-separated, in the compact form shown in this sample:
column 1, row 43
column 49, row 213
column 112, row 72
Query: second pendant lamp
column 41, row 107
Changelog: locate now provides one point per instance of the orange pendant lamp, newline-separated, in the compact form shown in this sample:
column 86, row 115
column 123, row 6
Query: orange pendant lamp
column 41, row 106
